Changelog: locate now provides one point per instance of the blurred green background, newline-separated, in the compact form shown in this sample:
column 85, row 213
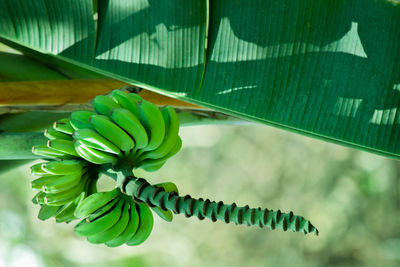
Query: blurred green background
column 352, row 197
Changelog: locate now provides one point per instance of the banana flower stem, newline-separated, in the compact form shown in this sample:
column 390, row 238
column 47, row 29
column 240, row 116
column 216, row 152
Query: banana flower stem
column 141, row 190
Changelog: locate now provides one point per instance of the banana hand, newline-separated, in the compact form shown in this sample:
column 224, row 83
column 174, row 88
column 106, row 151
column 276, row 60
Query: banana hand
column 94, row 202
column 127, row 101
column 92, row 155
column 145, row 225
column 171, row 135
column 63, row 146
column 128, row 122
column 93, row 139
column 80, row 119
column 130, row 229
column 104, row 104
column 116, row 229
column 112, row 132
column 153, row 121
column 53, row 134
column 66, row 213
column 63, row 167
column 151, row 165
column 63, row 126
column 86, row 228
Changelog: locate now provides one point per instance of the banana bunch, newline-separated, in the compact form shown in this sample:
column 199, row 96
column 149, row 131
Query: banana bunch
column 124, row 127
column 113, row 219
column 64, row 181
column 63, row 185
column 124, row 130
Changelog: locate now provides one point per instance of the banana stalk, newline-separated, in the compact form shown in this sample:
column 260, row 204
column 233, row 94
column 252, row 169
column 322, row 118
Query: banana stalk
column 67, row 95
column 154, row 196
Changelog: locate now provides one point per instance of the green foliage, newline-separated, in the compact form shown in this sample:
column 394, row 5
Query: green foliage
column 322, row 68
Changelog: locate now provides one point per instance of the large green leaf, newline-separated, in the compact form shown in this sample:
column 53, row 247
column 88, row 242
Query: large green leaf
column 158, row 43
column 58, row 27
column 328, row 69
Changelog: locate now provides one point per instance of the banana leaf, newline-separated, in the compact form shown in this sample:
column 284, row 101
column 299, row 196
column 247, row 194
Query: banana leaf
column 327, row 69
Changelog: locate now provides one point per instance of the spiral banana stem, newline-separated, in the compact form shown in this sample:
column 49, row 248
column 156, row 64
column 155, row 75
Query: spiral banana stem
column 141, row 190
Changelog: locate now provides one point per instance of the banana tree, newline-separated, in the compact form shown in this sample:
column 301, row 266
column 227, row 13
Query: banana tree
column 323, row 69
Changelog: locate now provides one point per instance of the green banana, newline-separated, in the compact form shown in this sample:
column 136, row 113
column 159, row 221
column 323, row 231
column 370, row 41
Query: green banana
column 80, row 119
column 63, row 167
column 92, row 155
column 39, row 198
column 63, row 126
column 49, row 152
column 85, row 228
column 153, row 121
column 63, row 183
column 46, row 212
column 112, row 132
column 127, row 101
column 130, row 229
column 104, row 104
column 62, row 198
column 98, row 213
column 66, row 213
column 129, row 122
column 63, row 146
column 91, row 138
column 38, row 171
column 151, row 165
column 171, row 135
column 40, row 182
column 145, row 225
column 53, row 134
column 95, row 202
column 116, row 229
column 34, row 199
